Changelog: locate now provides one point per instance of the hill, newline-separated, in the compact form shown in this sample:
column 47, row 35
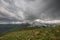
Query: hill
column 33, row 33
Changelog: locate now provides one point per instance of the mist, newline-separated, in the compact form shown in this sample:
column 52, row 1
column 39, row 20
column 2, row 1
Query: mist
column 29, row 10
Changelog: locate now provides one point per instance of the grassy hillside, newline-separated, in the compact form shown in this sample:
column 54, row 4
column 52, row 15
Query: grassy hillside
column 33, row 33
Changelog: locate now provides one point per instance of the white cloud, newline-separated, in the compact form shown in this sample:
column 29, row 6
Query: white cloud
column 47, row 21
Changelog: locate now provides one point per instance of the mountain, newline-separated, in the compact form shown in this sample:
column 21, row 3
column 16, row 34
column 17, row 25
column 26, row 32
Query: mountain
column 45, row 23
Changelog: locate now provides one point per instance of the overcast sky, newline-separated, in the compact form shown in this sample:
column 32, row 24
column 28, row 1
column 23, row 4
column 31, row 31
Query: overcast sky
column 20, row 10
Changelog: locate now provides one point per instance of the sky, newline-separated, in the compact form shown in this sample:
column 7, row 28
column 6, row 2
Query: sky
column 29, row 10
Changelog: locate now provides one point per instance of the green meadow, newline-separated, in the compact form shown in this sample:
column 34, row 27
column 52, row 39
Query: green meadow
column 32, row 33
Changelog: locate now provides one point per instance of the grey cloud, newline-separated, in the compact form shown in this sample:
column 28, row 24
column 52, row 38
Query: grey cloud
column 30, row 9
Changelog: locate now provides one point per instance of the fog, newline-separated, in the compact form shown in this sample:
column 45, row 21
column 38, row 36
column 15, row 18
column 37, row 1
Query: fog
column 29, row 10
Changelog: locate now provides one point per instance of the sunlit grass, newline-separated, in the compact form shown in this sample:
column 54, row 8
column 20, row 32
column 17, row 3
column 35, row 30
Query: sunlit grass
column 52, row 33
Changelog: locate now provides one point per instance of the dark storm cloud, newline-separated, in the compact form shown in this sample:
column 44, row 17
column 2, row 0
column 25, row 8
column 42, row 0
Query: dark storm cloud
column 30, row 9
column 49, row 9
column 46, row 9
column 54, row 10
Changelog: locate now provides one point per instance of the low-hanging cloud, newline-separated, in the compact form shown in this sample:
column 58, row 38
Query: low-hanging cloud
column 17, row 10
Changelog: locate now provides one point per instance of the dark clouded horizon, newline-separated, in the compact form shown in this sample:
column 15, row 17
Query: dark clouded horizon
column 19, row 10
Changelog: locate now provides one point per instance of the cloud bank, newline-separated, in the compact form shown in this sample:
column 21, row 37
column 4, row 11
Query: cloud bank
column 29, row 10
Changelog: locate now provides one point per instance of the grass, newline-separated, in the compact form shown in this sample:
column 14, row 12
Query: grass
column 33, row 33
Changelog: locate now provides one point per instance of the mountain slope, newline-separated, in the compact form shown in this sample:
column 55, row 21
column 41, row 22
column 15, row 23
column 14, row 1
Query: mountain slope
column 52, row 33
